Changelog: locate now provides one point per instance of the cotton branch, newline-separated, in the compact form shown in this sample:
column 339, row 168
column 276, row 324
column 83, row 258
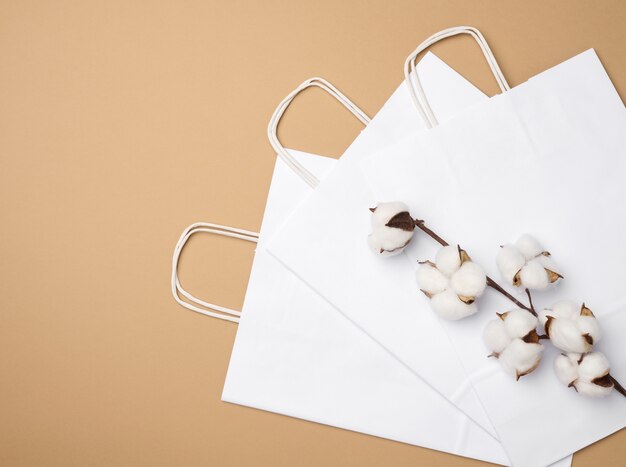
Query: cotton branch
column 490, row 282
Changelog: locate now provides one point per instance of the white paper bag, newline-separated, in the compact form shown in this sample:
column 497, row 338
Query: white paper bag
column 295, row 355
column 547, row 158
column 324, row 243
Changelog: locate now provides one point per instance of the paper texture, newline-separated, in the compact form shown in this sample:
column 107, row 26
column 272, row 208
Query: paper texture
column 546, row 158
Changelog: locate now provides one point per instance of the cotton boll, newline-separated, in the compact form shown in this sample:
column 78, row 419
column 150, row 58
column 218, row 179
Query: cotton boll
column 448, row 305
column 392, row 228
column 529, row 246
column 518, row 323
column 448, row 260
column 452, row 283
column 514, row 341
column 593, row 365
column 570, row 327
column 564, row 309
column 566, row 368
column 534, row 276
column 588, row 373
column 543, row 318
column 430, row 279
column 566, row 335
column 520, row 358
column 527, row 264
column 550, row 267
column 383, row 213
column 510, row 261
column 592, row 390
column 593, row 375
column 588, row 326
column 388, row 241
column 495, row 336
column 469, row 281
column 391, row 239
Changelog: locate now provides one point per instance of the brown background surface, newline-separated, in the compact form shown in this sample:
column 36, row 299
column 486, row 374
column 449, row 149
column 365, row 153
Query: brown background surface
column 123, row 121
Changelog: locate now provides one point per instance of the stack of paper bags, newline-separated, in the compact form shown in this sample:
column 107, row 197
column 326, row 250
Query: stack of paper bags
column 294, row 354
column 499, row 149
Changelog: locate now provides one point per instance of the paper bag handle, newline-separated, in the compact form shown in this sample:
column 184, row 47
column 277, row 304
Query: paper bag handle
column 197, row 305
column 272, row 127
column 413, row 81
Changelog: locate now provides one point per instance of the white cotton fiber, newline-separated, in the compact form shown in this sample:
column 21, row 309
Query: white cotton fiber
column 385, row 211
column 512, row 338
column 520, row 358
column 588, row 373
column 390, row 241
column 430, row 279
column 534, row 276
column 529, row 246
column 510, row 261
column 448, row 305
column 565, row 309
column 526, row 264
column 452, row 283
column 566, row 369
column 495, row 336
column 593, row 390
column 469, row 280
column 571, row 328
column 565, row 335
column 593, row 365
column 518, row 323
column 390, row 238
column 448, row 260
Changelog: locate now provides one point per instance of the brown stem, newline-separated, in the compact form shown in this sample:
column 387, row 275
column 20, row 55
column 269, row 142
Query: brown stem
column 420, row 225
column 494, row 285
column 618, row 387
column 490, row 282
column 530, row 300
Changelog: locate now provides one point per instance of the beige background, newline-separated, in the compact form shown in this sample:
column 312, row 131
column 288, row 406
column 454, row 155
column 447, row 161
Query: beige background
column 123, row 121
